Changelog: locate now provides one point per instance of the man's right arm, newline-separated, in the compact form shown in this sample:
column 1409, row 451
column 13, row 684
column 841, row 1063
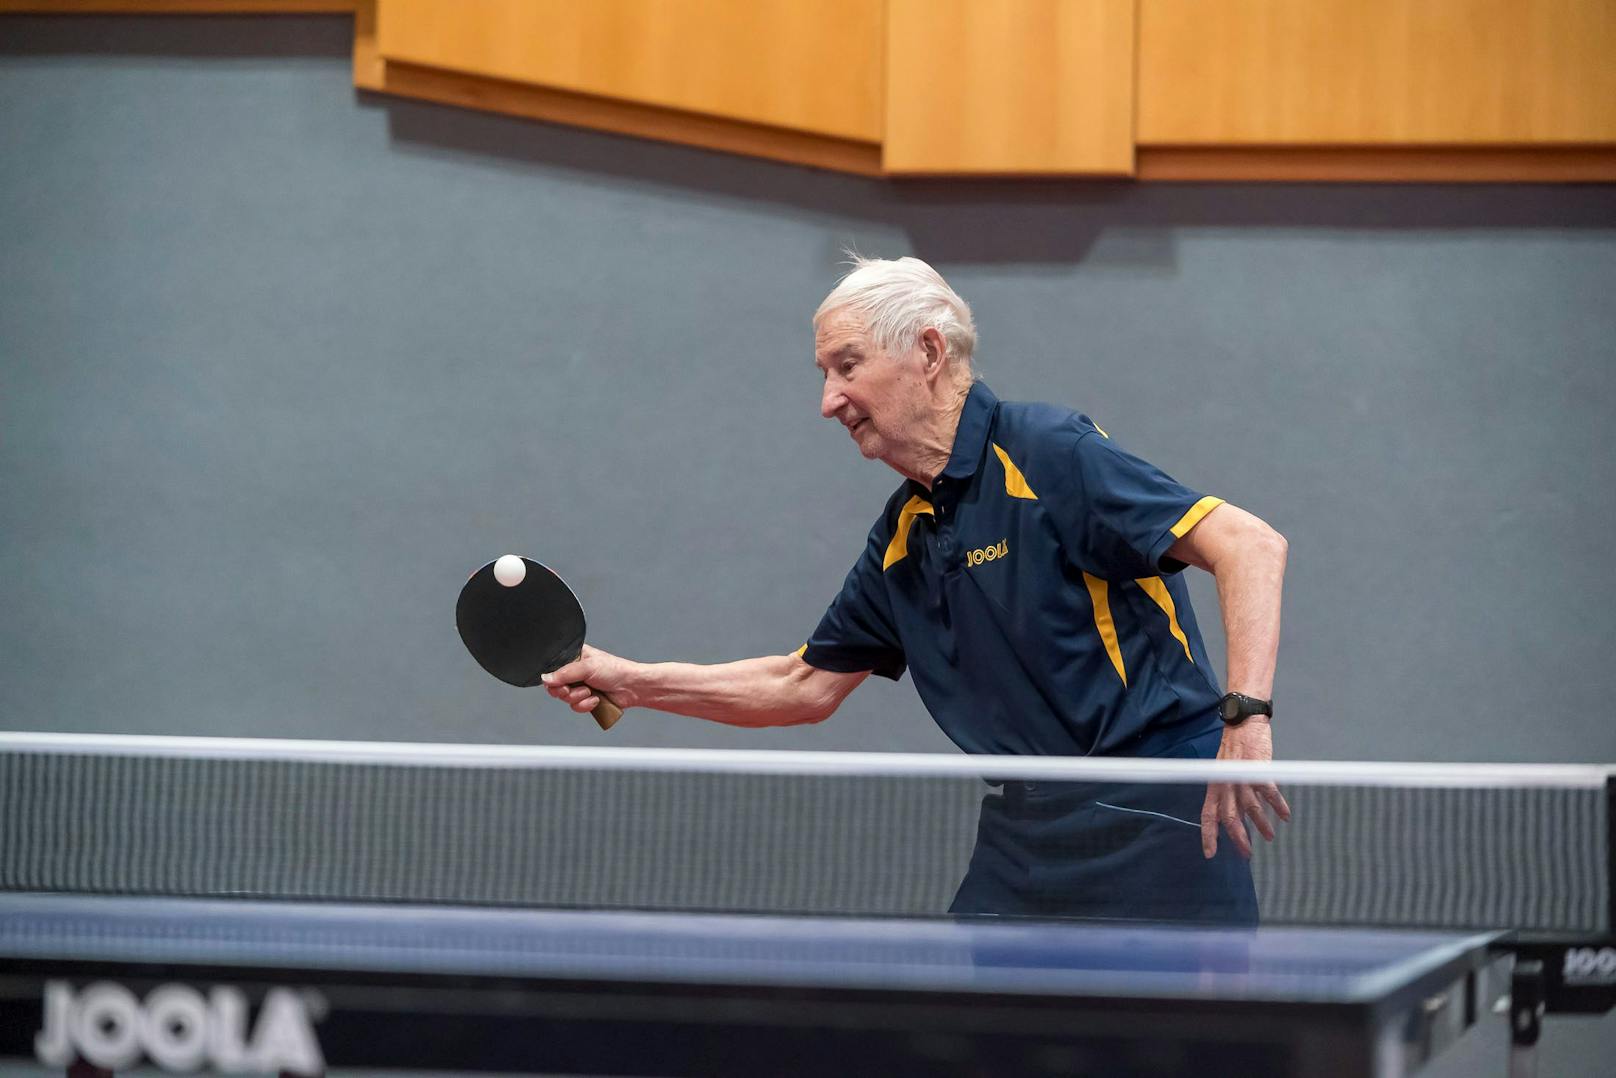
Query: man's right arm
column 776, row 690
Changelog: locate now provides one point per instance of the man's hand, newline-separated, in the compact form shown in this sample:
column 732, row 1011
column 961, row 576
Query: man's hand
column 1230, row 805
column 580, row 683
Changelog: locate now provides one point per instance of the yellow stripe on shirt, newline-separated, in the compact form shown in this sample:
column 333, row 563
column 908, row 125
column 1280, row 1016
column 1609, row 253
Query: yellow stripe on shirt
column 1193, row 517
column 898, row 548
column 1156, row 588
column 1100, row 596
column 1015, row 484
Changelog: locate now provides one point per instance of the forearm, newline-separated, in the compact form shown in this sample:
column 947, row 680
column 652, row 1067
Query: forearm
column 1250, row 586
column 769, row 691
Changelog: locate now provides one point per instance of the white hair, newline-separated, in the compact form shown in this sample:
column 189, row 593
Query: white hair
column 899, row 299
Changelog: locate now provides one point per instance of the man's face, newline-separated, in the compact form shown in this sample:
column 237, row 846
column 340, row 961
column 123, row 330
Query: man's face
column 874, row 395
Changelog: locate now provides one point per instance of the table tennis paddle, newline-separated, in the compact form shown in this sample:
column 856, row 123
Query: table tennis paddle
column 520, row 632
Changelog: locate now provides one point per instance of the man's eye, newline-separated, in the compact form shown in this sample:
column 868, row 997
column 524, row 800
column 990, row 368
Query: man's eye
column 847, row 368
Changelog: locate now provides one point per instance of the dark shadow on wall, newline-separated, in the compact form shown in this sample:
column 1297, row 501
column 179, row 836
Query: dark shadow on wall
column 1029, row 221
column 1008, row 222
column 220, row 37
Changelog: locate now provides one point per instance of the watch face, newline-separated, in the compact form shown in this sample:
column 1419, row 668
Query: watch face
column 1231, row 710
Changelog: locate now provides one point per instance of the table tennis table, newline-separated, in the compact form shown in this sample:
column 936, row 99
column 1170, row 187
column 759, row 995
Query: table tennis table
column 232, row 985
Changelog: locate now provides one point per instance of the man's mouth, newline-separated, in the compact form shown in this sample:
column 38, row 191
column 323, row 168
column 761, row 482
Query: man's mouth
column 852, row 428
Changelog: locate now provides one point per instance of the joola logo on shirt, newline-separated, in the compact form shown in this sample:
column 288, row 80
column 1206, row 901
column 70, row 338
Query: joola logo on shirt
column 179, row 1030
column 1001, row 549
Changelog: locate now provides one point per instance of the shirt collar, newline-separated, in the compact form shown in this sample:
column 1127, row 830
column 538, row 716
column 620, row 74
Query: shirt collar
column 971, row 437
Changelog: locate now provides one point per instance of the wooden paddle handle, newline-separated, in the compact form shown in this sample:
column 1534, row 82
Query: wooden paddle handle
column 606, row 712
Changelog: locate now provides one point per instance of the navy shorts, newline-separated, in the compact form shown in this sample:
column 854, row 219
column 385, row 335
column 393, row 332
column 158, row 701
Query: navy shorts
column 1105, row 850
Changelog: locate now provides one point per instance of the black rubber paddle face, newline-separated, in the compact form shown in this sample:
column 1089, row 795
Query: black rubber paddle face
column 521, row 632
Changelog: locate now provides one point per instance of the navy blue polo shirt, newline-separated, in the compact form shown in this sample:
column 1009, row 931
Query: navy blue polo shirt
column 1029, row 593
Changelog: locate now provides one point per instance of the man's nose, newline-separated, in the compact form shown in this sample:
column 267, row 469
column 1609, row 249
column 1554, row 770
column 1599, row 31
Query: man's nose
column 831, row 400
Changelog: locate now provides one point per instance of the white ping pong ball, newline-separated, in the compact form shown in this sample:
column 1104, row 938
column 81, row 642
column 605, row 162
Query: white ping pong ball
column 510, row 570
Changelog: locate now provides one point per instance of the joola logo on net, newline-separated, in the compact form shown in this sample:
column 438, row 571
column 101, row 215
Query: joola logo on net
column 179, row 1030
column 1001, row 549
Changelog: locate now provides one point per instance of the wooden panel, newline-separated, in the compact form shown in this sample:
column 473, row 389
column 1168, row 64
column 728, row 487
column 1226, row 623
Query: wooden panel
column 174, row 7
column 1037, row 87
column 627, row 118
column 369, row 73
column 1376, row 164
column 1391, row 72
column 806, row 66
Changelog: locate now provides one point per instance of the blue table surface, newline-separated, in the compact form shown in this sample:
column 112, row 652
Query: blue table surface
column 1289, row 964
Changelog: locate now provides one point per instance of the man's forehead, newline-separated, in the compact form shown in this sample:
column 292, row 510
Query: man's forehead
column 838, row 330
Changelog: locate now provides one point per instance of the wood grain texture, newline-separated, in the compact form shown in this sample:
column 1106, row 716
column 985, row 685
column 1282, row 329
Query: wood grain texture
column 627, row 118
column 1384, row 72
column 812, row 67
column 1377, row 164
column 1012, row 87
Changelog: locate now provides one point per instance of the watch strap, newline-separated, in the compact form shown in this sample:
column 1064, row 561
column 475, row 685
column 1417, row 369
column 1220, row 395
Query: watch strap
column 1236, row 707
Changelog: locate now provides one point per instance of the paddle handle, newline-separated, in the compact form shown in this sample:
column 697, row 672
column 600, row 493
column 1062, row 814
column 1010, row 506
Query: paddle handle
column 606, row 712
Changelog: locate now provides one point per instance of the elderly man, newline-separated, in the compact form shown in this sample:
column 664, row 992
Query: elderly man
column 1027, row 572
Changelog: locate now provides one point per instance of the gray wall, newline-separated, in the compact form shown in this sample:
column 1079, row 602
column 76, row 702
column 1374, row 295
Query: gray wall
column 280, row 364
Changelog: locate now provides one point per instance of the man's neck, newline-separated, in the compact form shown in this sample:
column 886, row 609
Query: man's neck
column 930, row 453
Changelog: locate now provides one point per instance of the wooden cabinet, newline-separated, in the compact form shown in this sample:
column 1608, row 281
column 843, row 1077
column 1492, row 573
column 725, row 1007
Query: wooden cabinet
column 1404, row 90
column 1377, row 72
column 813, row 67
column 1017, row 87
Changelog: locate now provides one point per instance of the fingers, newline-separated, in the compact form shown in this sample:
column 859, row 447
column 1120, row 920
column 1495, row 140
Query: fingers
column 567, row 694
column 1222, row 811
column 569, row 684
column 1270, row 793
column 1233, row 825
column 1251, row 807
column 1255, row 801
column 1228, row 807
column 581, row 683
column 574, row 673
column 1209, row 822
column 577, row 697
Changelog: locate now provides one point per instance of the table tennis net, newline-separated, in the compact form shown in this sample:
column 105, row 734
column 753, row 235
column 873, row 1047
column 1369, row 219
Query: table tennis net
column 815, row 833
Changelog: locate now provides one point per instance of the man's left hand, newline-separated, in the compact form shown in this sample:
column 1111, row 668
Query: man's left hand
column 1230, row 804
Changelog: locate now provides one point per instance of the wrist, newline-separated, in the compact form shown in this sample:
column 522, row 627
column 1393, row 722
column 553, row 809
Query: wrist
column 631, row 685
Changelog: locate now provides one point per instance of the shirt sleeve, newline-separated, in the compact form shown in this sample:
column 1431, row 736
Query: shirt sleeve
column 1128, row 512
column 858, row 631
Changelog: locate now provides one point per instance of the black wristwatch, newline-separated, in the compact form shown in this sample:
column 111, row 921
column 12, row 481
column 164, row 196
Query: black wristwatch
column 1237, row 707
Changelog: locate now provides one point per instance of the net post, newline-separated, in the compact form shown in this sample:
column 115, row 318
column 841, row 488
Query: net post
column 1610, row 854
column 1526, row 1009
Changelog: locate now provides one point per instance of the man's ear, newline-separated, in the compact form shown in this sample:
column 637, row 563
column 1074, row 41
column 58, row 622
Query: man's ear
column 934, row 351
